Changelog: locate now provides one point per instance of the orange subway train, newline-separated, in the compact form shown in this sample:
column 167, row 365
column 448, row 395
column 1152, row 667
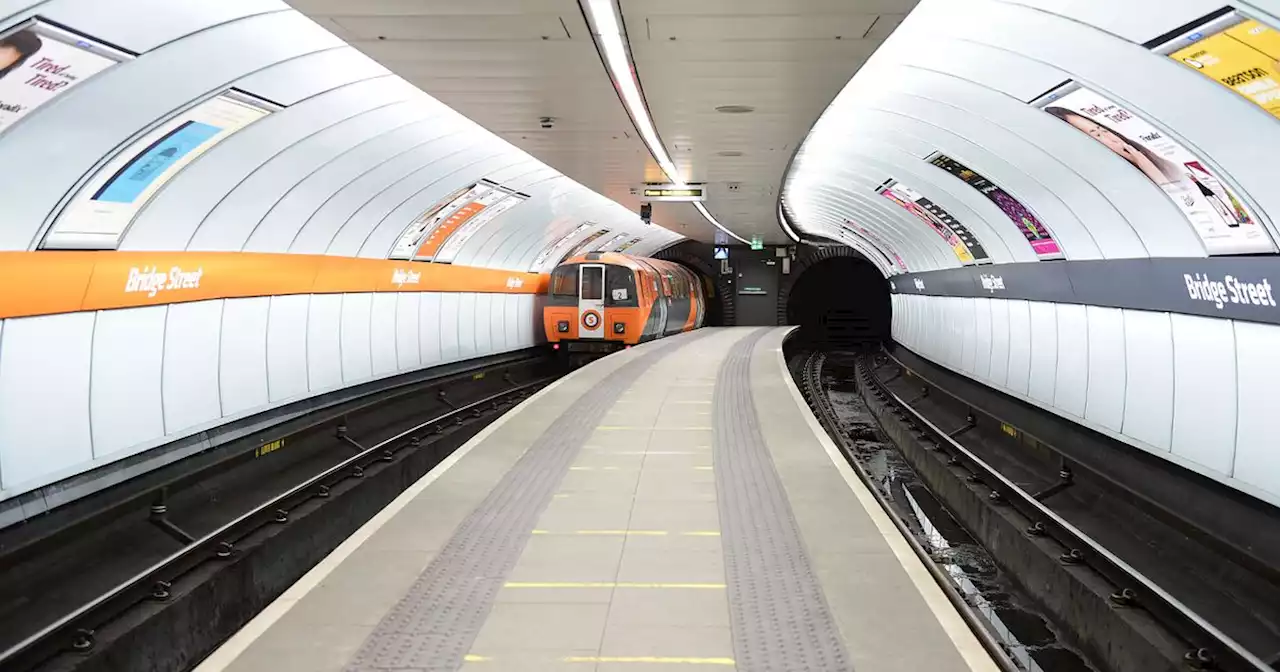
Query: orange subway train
column 602, row 301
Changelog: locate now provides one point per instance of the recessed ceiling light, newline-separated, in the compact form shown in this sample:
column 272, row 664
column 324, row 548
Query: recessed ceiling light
column 735, row 109
column 729, row 152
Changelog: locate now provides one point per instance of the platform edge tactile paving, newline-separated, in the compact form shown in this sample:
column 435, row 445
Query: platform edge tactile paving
column 436, row 622
column 778, row 612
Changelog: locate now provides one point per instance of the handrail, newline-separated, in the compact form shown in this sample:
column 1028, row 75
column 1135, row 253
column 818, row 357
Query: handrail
column 219, row 538
column 1190, row 625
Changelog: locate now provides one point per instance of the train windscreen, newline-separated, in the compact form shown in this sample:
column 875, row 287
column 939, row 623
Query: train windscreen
column 564, row 281
column 592, row 283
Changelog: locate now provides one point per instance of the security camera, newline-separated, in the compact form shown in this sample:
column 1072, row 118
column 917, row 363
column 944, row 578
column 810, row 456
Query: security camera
column 547, row 122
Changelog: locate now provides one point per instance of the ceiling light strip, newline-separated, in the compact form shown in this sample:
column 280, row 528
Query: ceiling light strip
column 606, row 25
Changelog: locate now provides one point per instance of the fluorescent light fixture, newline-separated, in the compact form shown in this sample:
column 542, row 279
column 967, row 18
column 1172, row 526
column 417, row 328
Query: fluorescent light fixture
column 782, row 219
column 608, row 30
column 703, row 209
column 607, row 27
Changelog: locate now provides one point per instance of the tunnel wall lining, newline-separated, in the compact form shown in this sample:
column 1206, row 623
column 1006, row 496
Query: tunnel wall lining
column 1188, row 389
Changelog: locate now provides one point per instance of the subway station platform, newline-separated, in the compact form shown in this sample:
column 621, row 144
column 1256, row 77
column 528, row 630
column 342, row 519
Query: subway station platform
column 669, row 507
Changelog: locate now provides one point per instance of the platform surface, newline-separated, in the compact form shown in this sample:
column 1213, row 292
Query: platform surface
column 672, row 506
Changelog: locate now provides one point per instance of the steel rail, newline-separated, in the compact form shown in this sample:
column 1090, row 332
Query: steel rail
column 1211, row 649
column 154, row 582
column 812, row 368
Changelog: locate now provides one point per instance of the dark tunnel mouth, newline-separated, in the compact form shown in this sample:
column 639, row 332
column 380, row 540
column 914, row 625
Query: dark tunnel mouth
column 841, row 301
column 715, row 297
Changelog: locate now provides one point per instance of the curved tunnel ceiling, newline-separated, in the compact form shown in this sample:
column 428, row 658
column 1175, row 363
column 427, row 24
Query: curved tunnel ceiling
column 509, row 63
column 960, row 79
column 352, row 157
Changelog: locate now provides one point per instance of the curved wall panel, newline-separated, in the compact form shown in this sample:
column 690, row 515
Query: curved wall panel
column 959, row 78
column 353, row 155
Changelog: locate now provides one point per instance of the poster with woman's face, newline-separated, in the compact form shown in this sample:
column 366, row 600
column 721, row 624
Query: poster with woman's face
column 1217, row 213
column 36, row 68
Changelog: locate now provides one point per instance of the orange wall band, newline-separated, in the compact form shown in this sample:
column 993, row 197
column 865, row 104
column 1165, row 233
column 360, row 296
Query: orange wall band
column 44, row 283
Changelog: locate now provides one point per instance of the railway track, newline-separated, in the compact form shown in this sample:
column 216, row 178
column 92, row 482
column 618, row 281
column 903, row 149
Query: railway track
column 1118, row 596
column 109, row 618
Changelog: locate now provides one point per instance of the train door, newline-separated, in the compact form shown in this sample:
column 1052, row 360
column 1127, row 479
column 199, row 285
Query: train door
column 591, row 301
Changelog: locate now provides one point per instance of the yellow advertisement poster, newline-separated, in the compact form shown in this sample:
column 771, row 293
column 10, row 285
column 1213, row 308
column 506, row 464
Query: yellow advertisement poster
column 1245, row 58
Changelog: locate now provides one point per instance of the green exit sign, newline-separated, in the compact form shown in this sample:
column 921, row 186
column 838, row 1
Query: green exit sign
column 757, row 243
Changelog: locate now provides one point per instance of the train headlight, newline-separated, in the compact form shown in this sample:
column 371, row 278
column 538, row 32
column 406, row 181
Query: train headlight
column 619, row 327
column 562, row 326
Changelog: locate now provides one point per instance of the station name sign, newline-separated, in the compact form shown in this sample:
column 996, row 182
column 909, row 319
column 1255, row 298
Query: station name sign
column 1241, row 288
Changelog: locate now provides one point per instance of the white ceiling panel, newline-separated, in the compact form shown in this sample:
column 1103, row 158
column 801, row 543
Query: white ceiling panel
column 508, row 63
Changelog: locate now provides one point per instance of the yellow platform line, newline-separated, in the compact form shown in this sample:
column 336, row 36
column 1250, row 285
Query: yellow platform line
column 649, row 659
column 703, row 467
column 472, row 658
column 613, row 428
column 610, row 584
column 648, row 452
column 639, row 533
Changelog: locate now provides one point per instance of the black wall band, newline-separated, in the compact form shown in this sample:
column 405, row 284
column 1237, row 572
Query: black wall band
column 1240, row 288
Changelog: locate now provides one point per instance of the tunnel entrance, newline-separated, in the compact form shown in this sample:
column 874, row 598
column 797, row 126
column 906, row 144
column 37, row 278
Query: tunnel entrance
column 697, row 257
column 840, row 300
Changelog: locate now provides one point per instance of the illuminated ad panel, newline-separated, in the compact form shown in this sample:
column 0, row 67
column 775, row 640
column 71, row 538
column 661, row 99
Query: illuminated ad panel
column 412, row 237
column 863, row 243
column 39, row 62
column 1036, row 233
column 581, row 246
column 456, row 214
column 609, row 244
column 1216, row 212
column 891, row 259
column 962, row 242
column 560, row 245
column 1240, row 53
column 627, row 245
column 100, row 213
column 495, row 203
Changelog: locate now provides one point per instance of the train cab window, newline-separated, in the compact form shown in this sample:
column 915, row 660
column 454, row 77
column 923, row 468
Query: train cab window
column 620, row 287
column 592, row 283
column 564, row 281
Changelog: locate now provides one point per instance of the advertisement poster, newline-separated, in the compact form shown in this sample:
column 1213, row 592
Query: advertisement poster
column 1036, row 233
column 413, row 235
column 508, row 199
column 891, row 258
column 1217, row 214
column 103, row 209
column 610, row 244
column 452, row 218
column 559, row 245
column 963, row 243
column 873, row 252
column 582, row 246
column 39, row 63
column 628, row 245
column 1241, row 54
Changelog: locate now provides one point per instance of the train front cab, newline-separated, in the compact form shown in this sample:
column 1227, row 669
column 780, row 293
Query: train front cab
column 593, row 307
